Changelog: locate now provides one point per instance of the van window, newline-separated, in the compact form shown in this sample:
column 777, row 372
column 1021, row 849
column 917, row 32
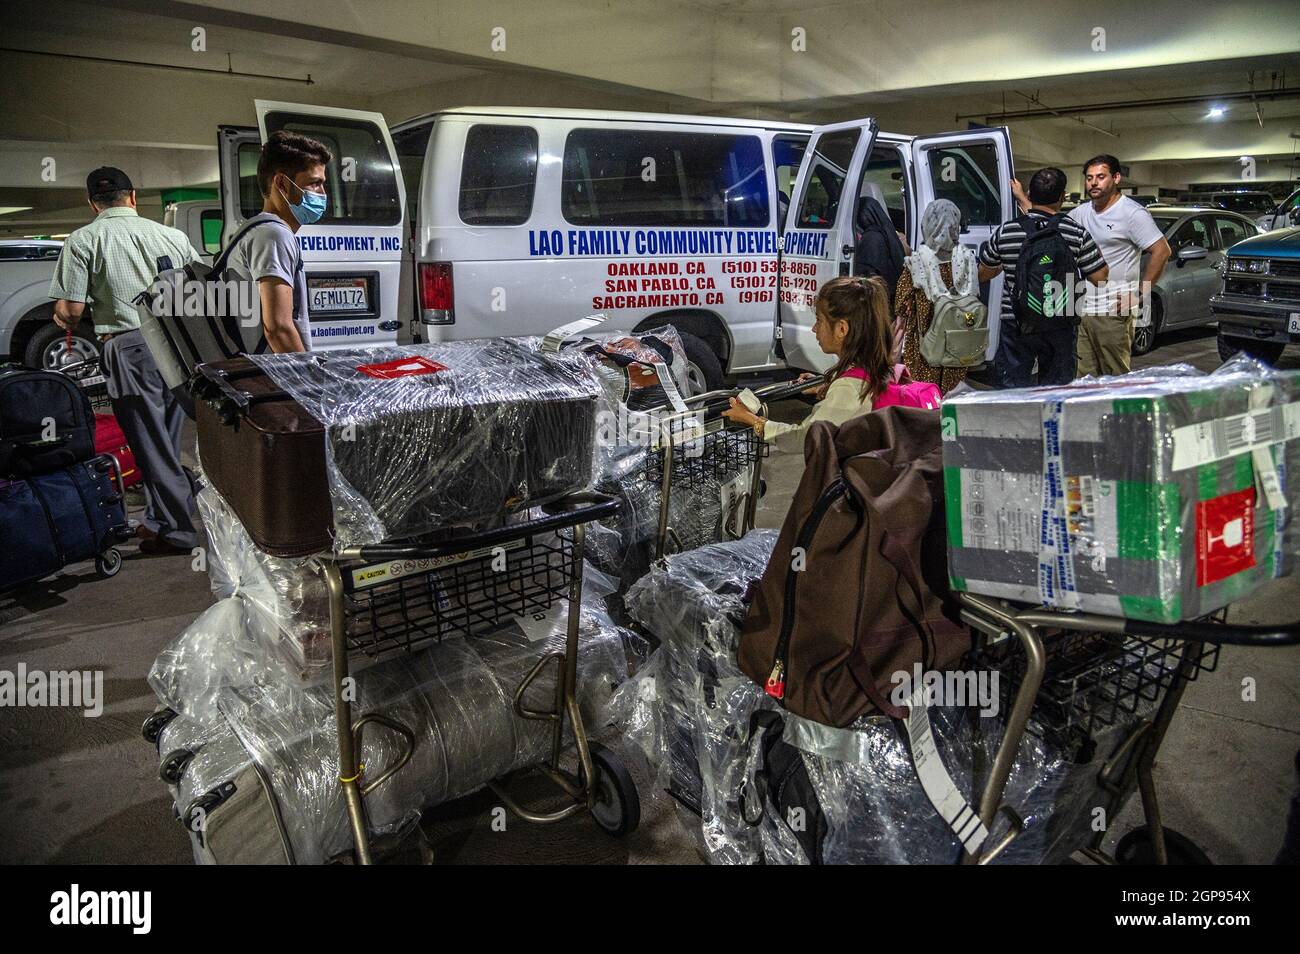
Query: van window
column 361, row 183
column 411, row 145
column 787, row 153
column 499, row 175
column 210, row 227
column 825, row 180
column 968, row 176
column 647, row 177
column 250, row 194
column 882, row 179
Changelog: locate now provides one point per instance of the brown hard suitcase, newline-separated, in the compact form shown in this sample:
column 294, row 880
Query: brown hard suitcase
column 265, row 455
column 392, row 442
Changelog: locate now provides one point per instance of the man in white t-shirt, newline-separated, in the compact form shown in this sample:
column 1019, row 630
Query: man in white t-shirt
column 1123, row 230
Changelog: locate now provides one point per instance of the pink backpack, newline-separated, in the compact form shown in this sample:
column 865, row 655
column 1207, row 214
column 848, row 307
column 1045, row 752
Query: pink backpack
column 901, row 391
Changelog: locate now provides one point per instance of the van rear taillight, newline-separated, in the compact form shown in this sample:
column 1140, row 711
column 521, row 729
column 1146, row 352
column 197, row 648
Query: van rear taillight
column 436, row 299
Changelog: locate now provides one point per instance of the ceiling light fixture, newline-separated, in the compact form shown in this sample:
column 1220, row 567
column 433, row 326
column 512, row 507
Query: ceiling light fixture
column 1215, row 112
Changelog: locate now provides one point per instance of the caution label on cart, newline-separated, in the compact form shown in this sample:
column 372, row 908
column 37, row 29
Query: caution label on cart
column 373, row 574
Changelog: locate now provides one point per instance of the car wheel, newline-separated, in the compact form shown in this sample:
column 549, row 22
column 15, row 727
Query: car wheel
column 1267, row 351
column 1144, row 339
column 49, row 349
column 703, row 369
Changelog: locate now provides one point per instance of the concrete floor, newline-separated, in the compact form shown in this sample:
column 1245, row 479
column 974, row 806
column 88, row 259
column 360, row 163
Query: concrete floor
column 78, row 790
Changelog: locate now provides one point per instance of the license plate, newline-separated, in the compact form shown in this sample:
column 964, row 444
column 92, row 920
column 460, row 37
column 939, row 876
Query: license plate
column 91, row 381
column 325, row 295
column 1293, row 323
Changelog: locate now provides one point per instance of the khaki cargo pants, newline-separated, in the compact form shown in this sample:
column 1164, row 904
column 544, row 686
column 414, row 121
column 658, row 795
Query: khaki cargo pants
column 1105, row 344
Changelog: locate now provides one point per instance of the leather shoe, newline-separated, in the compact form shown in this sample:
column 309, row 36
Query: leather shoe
column 157, row 546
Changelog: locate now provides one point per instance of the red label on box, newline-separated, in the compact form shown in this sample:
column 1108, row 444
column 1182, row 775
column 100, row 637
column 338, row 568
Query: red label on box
column 1225, row 536
column 401, row 368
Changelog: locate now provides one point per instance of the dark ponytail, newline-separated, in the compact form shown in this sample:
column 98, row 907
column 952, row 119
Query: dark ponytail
column 864, row 304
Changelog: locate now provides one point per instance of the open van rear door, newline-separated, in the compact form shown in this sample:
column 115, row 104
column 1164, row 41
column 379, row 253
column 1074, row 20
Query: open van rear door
column 972, row 168
column 819, row 237
column 353, row 255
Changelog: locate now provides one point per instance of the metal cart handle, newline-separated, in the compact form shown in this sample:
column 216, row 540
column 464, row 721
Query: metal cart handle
column 1220, row 634
column 718, row 400
column 566, row 512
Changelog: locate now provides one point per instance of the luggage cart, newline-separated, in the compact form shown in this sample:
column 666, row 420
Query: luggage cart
column 1078, row 673
column 697, row 445
column 395, row 597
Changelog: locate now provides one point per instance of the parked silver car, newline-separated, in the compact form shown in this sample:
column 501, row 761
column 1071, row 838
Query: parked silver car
column 27, row 332
column 1198, row 237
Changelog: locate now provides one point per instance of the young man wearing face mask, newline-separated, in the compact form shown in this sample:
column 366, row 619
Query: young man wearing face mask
column 291, row 175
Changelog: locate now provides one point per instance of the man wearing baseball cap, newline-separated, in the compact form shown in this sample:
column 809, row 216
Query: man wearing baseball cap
column 102, row 267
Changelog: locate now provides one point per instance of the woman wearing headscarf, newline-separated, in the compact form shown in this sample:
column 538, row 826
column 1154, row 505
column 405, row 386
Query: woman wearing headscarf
column 940, row 266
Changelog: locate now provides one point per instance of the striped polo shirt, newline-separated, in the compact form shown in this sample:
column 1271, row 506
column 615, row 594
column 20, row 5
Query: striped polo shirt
column 1003, row 248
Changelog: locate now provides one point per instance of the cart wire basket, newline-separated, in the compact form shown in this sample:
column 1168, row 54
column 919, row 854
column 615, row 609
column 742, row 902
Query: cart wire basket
column 399, row 596
column 1078, row 673
column 403, row 604
column 1093, row 681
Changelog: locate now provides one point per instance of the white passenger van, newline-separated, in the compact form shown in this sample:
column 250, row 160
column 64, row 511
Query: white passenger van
column 519, row 220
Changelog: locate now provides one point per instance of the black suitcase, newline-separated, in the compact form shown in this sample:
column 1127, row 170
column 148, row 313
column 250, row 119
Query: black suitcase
column 52, row 520
column 45, row 422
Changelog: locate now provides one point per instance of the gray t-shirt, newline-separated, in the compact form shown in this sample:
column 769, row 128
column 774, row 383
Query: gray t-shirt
column 266, row 251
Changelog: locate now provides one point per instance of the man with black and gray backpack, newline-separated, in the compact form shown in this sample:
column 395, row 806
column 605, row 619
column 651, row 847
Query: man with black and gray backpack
column 1042, row 252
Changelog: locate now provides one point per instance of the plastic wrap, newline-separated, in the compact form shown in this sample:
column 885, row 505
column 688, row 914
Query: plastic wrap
column 457, row 698
column 285, row 599
column 689, row 706
column 426, row 436
column 689, row 712
column 624, row 545
column 1151, row 486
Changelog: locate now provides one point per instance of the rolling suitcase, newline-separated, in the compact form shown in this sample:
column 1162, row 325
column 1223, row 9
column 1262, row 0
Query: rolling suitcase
column 110, row 440
column 45, row 422
column 359, row 446
column 52, row 520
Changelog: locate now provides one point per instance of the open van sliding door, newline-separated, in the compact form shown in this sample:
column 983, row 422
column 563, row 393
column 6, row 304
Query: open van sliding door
column 818, row 241
column 353, row 255
column 972, row 168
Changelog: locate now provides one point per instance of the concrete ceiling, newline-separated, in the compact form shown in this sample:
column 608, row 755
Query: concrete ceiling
column 917, row 65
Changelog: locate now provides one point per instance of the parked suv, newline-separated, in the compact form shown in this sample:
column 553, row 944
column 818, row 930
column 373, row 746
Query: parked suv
column 1199, row 238
column 1258, row 309
column 27, row 330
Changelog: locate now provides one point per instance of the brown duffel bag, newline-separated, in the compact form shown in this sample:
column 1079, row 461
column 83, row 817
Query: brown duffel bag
column 857, row 588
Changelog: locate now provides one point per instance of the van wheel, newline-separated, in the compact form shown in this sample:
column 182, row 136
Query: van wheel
column 47, row 349
column 703, row 369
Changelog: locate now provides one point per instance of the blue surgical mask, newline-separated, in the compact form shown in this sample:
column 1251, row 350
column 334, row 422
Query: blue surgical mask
column 310, row 209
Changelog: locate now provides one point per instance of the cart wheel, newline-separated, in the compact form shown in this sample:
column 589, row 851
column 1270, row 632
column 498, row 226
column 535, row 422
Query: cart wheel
column 109, row 562
column 157, row 721
column 1135, row 849
column 173, row 765
column 617, row 807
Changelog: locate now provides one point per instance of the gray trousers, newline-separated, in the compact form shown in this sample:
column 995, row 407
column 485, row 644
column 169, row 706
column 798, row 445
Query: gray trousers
column 151, row 419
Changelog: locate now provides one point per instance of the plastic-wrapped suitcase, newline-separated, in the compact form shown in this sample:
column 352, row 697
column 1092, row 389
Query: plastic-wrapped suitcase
column 252, row 762
column 359, row 446
column 855, row 790
column 52, row 520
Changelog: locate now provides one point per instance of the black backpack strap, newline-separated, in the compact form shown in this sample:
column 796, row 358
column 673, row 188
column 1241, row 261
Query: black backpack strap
column 219, row 266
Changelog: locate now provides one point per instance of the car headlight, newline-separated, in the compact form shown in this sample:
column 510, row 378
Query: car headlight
column 1254, row 266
